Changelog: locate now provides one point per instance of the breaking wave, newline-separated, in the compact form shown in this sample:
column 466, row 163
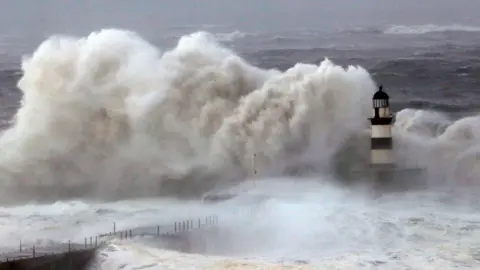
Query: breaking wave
column 111, row 115
column 429, row 28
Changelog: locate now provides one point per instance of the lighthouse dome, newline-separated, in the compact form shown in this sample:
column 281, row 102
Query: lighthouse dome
column 380, row 94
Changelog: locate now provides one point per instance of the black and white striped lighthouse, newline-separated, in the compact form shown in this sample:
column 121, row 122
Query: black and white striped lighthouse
column 384, row 171
column 381, row 138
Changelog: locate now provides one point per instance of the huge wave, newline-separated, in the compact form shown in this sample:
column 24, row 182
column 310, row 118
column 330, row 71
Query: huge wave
column 111, row 115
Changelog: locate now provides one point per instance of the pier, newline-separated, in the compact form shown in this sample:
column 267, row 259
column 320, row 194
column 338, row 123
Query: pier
column 74, row 255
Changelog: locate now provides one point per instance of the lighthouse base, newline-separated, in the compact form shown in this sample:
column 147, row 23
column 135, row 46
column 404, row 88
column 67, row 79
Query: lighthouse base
column 390, row 178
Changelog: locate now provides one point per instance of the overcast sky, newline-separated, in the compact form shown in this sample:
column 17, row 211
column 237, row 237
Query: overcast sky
column 33, row 16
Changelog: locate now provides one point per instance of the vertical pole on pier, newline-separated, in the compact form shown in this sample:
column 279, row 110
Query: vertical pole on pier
column 69, row 245
column 20, row 245
column 33, row 251
column 254, row 167
column 175, row 226
column 96, row 241
column 85, row 242
column 114, row 227
column 158, row 229
column 130, row 233
column 91, row 241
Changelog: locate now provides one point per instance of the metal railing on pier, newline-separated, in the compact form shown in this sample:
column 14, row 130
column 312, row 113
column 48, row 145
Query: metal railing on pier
column 94, row 242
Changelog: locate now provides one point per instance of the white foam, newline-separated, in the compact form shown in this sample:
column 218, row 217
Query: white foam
column 230, row 36
column 326, row 228
column 429, row 28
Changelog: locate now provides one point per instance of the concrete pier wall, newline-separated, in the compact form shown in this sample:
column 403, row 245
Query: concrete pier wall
column 74, row 260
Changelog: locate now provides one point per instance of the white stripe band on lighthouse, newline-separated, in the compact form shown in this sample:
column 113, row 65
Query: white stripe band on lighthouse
column 381, row 146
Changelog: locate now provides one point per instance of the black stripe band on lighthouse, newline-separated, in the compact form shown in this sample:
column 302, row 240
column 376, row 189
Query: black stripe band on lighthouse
column 381, row 146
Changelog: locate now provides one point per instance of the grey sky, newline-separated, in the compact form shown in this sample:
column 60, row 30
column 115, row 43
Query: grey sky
column 147, row 15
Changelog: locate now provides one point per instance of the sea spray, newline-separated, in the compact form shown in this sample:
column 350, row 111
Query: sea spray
column 111, row 115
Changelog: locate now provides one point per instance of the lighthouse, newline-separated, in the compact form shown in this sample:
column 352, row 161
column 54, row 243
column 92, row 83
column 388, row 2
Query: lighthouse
column 380, row 166
column 381, row 143
column 383, row 169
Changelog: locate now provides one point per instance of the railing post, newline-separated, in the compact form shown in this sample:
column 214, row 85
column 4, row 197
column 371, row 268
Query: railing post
column 85, row 242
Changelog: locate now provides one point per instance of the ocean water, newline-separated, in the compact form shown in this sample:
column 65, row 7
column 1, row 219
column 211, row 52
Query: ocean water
column 129, row 114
